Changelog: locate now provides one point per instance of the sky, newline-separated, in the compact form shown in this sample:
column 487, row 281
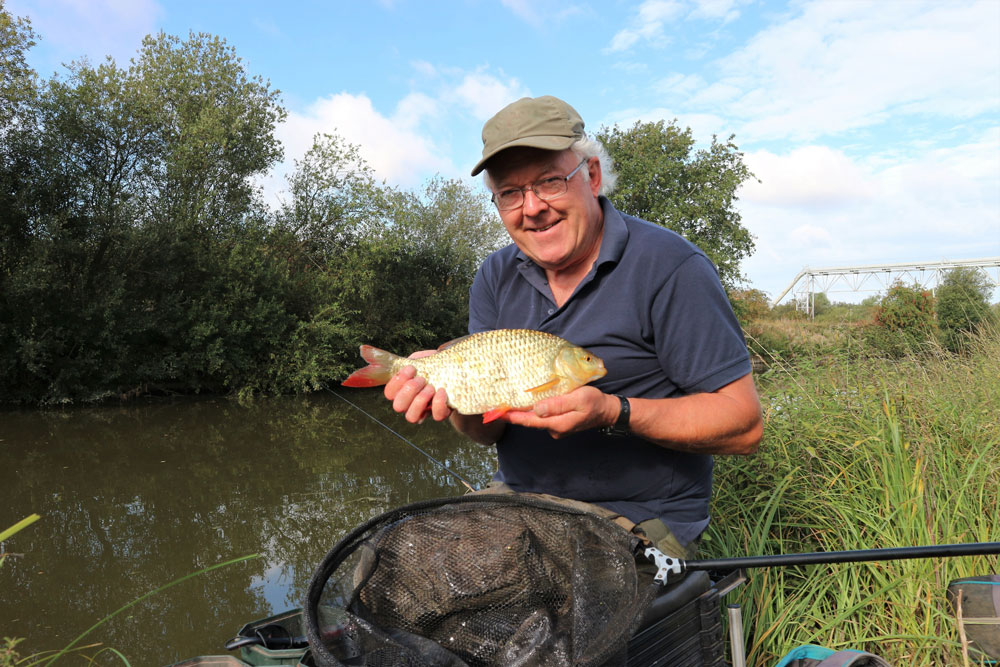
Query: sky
column 872, row 128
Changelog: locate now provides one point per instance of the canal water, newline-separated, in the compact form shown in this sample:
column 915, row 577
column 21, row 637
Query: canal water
column 137, row 495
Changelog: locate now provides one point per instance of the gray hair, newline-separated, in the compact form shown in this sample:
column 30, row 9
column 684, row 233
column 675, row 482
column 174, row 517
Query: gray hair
column 585, row 149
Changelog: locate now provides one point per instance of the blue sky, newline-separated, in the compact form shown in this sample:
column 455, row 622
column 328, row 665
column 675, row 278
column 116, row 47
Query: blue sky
column 873, row 127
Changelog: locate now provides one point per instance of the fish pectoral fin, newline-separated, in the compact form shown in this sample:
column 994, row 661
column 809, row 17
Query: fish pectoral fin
column 551, row 384
column 495, row 413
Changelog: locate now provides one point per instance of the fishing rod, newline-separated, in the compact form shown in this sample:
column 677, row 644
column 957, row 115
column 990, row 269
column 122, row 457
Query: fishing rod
column 454, row 474
column 676, row 566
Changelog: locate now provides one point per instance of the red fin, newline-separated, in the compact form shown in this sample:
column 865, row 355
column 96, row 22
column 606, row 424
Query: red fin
column 495, row 413
column 543, row 387
column 378, row 371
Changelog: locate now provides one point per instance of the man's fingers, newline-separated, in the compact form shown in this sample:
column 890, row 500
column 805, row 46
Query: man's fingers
column 419, row 406
column 397, row 381
column 439, row 405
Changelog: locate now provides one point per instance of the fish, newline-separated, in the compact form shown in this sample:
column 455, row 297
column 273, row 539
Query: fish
column 491, row 372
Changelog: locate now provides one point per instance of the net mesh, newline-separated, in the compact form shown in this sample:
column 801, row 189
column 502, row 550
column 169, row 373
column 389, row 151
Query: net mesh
column 478, row 580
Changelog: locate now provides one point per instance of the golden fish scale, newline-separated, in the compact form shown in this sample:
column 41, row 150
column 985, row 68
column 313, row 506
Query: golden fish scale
column 494, row 368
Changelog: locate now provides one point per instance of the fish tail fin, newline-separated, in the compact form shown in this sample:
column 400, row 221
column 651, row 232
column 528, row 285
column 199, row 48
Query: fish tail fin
column 377, row 372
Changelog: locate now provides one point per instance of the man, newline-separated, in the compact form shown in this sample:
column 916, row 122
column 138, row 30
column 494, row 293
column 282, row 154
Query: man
column 679, row 387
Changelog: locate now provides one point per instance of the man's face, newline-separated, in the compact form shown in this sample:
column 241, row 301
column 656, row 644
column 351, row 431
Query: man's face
column 559, row 234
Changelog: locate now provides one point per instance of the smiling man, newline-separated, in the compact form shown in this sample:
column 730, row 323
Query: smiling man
column 679, row 389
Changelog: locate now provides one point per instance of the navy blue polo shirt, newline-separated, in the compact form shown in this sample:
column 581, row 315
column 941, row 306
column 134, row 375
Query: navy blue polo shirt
column 653, row 309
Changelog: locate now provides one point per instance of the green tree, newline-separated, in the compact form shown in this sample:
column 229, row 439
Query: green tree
column 963, row 306
column 17, row 79
column 18, row 91
column 215, row 125
column 133, row 215
column 820, row 303
column 904, row 321
column 334, row 199
column 663, row 179
column 400, row 263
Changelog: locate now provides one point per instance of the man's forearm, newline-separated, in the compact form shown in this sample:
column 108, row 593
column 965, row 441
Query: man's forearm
column 727, row 421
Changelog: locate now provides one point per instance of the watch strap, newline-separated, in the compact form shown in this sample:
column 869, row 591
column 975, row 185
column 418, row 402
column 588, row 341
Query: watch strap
column 621, row 424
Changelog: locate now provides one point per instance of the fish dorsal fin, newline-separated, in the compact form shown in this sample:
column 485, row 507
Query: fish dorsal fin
column 445, row 346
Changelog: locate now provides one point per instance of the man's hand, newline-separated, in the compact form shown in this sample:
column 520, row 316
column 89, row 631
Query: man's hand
column 413, row 397
column 583, row 408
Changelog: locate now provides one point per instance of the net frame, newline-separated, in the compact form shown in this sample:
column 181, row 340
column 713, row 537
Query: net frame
column 630, row 603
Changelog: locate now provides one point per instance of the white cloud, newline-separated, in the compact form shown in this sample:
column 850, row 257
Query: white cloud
column 393, row 145
column 648, row 25
column 424, row 68
column 538, row 13
column 91, row 28
column 818, row 207
column 408, row 144
column 484, row 94
column 839, row 66
column 809, row 176
column 702, row 126
column 717, row 9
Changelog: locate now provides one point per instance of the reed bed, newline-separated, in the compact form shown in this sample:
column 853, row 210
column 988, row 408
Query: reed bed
column 864, row 453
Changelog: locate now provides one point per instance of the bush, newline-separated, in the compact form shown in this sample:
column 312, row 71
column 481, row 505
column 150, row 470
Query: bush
column 904, row 321
column 749, row 305
column 962, row 306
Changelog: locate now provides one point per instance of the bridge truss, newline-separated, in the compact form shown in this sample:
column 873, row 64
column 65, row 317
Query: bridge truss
column 878, row 278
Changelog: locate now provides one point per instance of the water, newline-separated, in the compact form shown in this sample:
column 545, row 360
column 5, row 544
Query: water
column 135, row 496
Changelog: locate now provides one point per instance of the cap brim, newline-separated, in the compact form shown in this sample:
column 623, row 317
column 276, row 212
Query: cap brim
column 548, row 143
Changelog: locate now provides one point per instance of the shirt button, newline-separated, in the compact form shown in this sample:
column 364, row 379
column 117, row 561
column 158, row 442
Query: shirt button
column 551, row 310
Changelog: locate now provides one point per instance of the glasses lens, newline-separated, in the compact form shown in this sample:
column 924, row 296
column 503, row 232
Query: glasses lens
column 508, row 199
column 550, row 187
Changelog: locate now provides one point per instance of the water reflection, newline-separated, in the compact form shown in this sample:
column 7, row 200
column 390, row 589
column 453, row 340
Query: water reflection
column 133, row 497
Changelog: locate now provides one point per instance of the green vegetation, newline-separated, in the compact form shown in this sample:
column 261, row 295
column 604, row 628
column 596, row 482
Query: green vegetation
column 136, row 254
column 963, row 307
column 663, row 180
column 865, row 452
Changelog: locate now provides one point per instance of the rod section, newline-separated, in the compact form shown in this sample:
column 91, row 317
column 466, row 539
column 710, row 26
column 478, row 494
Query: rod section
column 863, row 555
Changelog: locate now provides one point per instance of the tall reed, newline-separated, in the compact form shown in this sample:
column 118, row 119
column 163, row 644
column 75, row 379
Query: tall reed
column 865, row 453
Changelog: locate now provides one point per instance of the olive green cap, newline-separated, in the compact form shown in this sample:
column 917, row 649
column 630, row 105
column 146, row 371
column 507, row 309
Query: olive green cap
column 539, row 122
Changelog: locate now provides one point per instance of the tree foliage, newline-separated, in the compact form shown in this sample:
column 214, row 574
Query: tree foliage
column 136, row 254
column 963, row 306
column 402, row 262
column 663, row 179
column 904, row 321
column 17, row 79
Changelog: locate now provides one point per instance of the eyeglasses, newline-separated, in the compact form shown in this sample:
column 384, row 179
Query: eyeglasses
column 549, row 188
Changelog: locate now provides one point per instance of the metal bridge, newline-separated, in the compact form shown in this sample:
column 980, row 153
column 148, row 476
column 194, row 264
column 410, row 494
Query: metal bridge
column 878, row 278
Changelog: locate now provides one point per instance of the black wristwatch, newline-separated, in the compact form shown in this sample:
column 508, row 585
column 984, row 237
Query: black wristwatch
column 621, row 424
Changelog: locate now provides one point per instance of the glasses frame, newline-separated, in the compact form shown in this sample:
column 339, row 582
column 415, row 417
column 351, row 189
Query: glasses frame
column 532, row 187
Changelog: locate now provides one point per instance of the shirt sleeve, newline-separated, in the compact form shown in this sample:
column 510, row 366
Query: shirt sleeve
column 482, row 301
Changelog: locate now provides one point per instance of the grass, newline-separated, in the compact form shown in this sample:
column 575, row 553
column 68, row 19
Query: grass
column 863, row 453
